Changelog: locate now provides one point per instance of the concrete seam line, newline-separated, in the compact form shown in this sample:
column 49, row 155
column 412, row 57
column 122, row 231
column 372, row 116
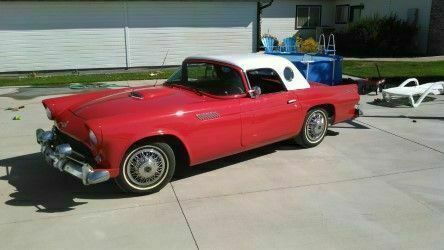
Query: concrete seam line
column 184, row 216
column 86, row 213
column 314, row 184
column 407, row 139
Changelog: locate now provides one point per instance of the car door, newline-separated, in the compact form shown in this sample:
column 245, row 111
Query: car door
column 273, row 115
column 215, row 128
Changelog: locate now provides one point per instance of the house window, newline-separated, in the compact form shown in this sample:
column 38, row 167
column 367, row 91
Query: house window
column 308, row 16
column 342, row 14
column 356, row 12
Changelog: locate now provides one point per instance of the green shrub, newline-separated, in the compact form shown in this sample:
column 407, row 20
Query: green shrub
column 299, row 40
column 375, row 36
column 309, row 46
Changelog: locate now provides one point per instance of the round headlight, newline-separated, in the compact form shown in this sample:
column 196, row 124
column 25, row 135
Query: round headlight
column 48, row 113
column 92, row 137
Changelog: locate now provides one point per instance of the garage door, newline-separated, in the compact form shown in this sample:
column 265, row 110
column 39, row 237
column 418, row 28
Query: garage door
column 188, row 28
column 61, row 35
column 55, row 35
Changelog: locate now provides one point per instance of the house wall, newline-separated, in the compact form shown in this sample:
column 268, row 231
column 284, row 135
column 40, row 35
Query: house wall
column 188, row 28
column 279, row 19
column 400, row 8
column 436, row 35
column 62, row 35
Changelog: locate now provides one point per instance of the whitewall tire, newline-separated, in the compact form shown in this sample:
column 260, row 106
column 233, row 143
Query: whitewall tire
column 147, row 168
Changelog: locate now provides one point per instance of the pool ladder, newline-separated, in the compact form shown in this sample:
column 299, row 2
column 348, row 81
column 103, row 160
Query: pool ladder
column 331, row 46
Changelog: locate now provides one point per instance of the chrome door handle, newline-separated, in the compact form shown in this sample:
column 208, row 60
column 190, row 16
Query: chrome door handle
column 291, row 101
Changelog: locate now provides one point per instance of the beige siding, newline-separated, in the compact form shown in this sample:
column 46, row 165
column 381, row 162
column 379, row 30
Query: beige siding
column 188, row 28
column 60, row 35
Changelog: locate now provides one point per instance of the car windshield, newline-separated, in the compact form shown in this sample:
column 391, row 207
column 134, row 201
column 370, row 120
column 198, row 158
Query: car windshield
column 210, row 78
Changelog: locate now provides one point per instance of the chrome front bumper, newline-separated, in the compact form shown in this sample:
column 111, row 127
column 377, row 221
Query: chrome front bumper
column 59, row 156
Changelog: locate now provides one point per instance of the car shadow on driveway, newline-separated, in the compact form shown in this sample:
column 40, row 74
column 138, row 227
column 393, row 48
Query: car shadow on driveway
column 234, row 159
column 50, row 191
column 46, row 188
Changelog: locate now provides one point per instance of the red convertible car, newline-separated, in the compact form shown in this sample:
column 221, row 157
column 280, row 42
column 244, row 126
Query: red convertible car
column 210, row 108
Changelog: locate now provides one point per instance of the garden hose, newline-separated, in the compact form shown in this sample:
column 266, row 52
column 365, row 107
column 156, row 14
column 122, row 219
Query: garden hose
column 92, row 85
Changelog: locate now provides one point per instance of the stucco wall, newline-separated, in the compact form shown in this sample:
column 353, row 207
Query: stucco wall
column 436, row 37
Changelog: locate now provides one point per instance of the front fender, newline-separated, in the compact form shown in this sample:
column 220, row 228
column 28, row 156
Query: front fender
column 117, row 141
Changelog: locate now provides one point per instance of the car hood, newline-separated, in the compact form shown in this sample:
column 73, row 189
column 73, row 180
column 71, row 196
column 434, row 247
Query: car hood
column 136, row 100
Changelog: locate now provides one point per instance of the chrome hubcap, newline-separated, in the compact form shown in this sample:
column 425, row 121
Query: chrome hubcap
column 316, row 126
column 147, row 166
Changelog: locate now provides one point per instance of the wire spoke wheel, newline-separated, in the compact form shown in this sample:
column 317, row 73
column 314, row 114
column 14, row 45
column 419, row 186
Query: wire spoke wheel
column 146, row 167
column 316, row 126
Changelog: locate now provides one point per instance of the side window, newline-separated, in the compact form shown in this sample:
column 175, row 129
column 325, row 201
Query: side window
column 266, row 79
column 288, row 74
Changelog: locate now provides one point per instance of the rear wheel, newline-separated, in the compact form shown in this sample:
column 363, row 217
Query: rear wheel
column 147, row 168
column 314, row 129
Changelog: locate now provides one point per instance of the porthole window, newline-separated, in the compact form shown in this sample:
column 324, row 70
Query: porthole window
column 288, row 74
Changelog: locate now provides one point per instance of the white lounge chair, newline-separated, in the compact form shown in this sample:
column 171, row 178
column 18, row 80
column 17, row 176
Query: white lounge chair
column 423, row 90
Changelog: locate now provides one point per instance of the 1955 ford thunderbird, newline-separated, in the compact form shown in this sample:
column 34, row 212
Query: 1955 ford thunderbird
column 210, row 108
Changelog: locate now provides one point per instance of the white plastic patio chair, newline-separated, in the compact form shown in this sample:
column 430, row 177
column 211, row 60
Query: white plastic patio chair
column 433, row 88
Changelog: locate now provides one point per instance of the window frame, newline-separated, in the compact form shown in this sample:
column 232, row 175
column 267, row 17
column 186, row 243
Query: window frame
column 280, row 79
column 348, row 13
column 184, row 76
column 309, row 7
column 352, row 7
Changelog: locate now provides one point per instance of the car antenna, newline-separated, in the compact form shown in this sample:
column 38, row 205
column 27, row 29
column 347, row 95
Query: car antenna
column 161, row 67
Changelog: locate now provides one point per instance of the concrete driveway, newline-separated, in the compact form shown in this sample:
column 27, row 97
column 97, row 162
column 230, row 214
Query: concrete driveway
column 377, row 184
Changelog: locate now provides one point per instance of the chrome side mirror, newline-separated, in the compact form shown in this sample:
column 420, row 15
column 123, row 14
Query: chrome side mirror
column 255, row 92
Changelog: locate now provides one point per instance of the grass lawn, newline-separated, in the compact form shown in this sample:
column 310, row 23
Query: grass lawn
column 396, row 72
column 37, row 80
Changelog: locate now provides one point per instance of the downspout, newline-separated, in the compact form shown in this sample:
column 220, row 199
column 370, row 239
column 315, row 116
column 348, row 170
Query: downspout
column 260, row 7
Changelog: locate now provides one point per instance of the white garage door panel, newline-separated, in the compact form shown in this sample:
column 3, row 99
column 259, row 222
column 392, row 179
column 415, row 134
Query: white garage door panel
column 55, row 35
column 61, row 35
column 188, row 28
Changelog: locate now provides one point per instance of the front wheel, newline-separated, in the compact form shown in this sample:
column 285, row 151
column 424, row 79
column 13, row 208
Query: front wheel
column 147, row 168
column 314, row 129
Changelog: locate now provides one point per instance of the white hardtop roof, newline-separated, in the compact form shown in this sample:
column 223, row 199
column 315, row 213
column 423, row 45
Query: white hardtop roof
column 259, row 61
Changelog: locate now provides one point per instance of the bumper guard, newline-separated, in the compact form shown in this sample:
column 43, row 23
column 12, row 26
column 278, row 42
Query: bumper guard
column 358, row 111
column 59, row 156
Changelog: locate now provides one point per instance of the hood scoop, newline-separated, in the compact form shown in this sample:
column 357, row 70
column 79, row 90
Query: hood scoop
column 136, row 95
